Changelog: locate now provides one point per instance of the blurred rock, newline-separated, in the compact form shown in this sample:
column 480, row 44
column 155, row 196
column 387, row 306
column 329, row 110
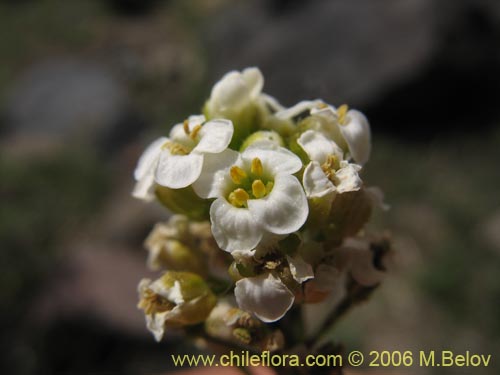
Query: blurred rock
column 97, row 282
column 488, row 231
column 338, row 50
column 65, row 99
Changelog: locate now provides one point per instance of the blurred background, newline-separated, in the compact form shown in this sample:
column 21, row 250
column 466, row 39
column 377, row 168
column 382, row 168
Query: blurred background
column 86, row 84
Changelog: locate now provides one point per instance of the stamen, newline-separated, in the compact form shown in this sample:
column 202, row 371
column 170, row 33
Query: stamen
column 153, row 303
column 256, row 167
column 258, row 189
column 342, row 114
column 195, row 132
column 238, row 197
column 175, row 148
column 269, row 187
column 330, row 166
column 322, row 105
column 237, row 174
column 185, row 125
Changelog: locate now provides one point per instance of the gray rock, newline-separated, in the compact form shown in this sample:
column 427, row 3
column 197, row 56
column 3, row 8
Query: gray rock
column 342, row 51
column 63, row 99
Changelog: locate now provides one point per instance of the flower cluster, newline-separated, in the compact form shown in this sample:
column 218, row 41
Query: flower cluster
column 270, row 209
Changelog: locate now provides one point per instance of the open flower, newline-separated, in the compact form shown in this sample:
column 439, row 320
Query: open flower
column 256, row 194
column 327, row 173
column 349, row 128
column 353, row 126
column 176, row 299
column 176, row 161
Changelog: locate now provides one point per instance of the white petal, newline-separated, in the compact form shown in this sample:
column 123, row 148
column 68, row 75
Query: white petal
column 254, row 80
column 149, row 158
column 156, row 324
column 315, row 182
column 233, row 228
column 214, row 177
column 300, row 269
column 274, row 159
column 178, row 171
column 215, row 136
column 285, row 209
column 231, row 92
column 173, row 294
column 357, row 135
column 318, row 147
column 349, row 178
column 297, row 109
column 265, row 296
column 144, row 188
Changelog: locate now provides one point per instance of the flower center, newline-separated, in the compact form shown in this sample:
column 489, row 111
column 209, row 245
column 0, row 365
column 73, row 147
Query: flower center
column 175, row 148
column 249, row 184
column 191, row 133
column 330, row 166
column 343, row 119
column 153, row 303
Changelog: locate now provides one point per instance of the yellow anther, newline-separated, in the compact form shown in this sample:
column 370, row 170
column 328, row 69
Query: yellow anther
column 331, row 164
column 256, row 167
column 185, row 126
column 322, row 106
column 238, row 197
column 195, row 132
column 175, row 148
column 237, row 174
column 269, row 187
column 342, row 114
column 258, row 189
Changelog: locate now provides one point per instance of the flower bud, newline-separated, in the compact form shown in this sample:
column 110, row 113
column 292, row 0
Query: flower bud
column 171, row 246
column 183, row 201
column 264, row 136
column 175, row 300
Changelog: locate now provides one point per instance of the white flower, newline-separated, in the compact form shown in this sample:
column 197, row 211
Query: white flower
column 265, row 295
column 327, row 173
column 144, row 173
column 354, row 128
column 350, row 129
column 176, row 162
column 256, row 194
column 235, row 91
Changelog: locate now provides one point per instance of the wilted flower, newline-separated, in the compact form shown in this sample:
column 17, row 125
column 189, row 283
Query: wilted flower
column 174, row 300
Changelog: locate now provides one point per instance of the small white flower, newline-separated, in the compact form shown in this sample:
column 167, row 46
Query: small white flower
column 176, row 162
column 353, row 126
column 256, row 194
column 235, row 91
column 327, row 173
column 265, row 295
column 350, row 129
